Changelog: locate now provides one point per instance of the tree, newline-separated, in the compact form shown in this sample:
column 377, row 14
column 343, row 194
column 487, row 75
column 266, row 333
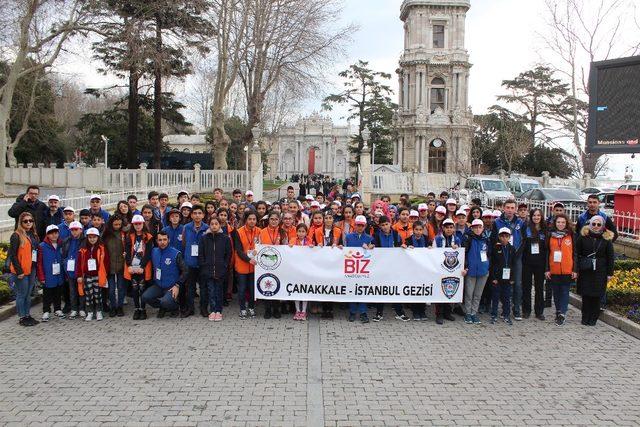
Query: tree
column 368, row 100
column 501, row 139
column 578, row 33
column 33, row 30
column 290, row 43
column 535, row 92
column 552, row 160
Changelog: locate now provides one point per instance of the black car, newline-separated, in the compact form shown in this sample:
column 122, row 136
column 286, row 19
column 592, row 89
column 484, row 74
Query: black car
column 545, row 198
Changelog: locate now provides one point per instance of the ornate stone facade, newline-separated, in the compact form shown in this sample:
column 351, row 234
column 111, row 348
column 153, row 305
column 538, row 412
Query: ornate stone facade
column 435, row 121
column 312, row 145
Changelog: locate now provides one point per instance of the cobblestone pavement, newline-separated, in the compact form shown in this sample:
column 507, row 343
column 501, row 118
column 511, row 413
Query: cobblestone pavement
column 281, row 372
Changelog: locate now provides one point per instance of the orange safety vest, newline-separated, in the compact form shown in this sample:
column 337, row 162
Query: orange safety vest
column 24, row 256
column 318, row 236
column 248, row 240
column 102, row 268
column 565, row 246
column 269, row 236
column 402, row 233
column 292, row 234
column 147, row 268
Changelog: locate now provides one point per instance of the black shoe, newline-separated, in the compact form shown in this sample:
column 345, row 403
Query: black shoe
column 541, row 317
column 174, row 313
column 352, row 317
column 449, row 317
column 24, row 321
column 186, row 313
column 143, row 314
column 284, row 309
column 112, row 312
column 458, row 310
column 547, row 304
column 161, row 313
column 204, row 312
column 592, row 322
column 439, row 320
column 119, row 312
column 364, row 318
column 225, row 303
column 276, row 314
column 526, row 315
column 136, row 314
column 584, row 323
column 267, row 313
column 32, row 321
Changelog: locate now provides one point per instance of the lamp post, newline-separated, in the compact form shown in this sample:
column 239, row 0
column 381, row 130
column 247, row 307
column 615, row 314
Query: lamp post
column 256, row 132
column 106, row 154
column 246, row 168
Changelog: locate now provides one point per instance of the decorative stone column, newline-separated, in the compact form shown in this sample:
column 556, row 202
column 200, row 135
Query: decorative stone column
column 142, row 175
column 367, row 179
column 197, row 175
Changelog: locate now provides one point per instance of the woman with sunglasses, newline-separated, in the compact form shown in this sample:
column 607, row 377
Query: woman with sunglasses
column 23, row 252
column 594, row 247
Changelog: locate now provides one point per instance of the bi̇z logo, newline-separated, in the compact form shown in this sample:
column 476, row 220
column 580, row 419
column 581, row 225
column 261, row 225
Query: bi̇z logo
column 357, row 262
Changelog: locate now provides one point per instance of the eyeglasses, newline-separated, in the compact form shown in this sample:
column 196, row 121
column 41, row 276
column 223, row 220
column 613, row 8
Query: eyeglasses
column 273, row 219
column 596, row 224
column 27, row 221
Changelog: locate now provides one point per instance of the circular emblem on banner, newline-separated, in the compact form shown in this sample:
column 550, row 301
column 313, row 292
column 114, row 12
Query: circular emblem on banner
column 268, row 285
column 269, row 258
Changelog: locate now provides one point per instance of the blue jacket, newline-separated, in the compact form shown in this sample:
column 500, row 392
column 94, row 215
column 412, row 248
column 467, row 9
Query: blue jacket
column 63, row 227
column 47, row 256
column 441, row 241
column 381, row 240
column 70, row 249
column 515, row 225
column 416, row 242
column 460, row 234
column 191, row 237
column 175, row 236
column 474, row 246
column 104, row 214
column 355, row 240
column 168, row 262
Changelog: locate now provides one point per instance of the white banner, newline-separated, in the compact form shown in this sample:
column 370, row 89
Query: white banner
column 359, row 275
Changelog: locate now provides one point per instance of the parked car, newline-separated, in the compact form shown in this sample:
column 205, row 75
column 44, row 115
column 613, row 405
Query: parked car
column 595, row 190
column 635, row 186
column 545, row 198
column 486, row 188
column 607, row 201
column 518, row 185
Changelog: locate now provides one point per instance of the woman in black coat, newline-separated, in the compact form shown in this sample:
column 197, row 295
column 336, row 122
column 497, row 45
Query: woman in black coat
column 594, row 248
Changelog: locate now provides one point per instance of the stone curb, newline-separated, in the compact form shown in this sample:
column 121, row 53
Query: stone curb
column 611, row 318
column 9, row 310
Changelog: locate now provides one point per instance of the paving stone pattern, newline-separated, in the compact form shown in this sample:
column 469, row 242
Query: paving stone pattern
column 258, row 372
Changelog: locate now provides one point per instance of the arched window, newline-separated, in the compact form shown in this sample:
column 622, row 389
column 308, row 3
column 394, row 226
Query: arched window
column 437, row 94
column 437, row 156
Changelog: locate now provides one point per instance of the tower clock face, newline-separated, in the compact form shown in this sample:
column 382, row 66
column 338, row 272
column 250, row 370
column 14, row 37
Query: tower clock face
column 437, row 143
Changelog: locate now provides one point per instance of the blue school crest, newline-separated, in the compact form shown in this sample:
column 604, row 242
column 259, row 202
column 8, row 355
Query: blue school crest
column 450, row 286
column 451, row 261
column 268, row 285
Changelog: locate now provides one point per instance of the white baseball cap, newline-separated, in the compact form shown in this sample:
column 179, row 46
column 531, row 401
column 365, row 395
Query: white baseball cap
column 186, row 205
column 53, row 197
column 308, row 197
column 423, row 207
column 137, row 219
column 95, row 196
column 337, row 202
column 94, row 231
column 451, row 202
column 322, row 206
column 476, row 222
column 413, row 213
column 497, row 214
column 461, row 212
column 354, row 195
column 505, row 230
column 487, row 212
column 448, row 221
column 441, row 209
column 68, row 209
column 249, row 193
column 75, row 224
column 360, row 219
column 315, row 204
column 465, row 208
column 51, row 228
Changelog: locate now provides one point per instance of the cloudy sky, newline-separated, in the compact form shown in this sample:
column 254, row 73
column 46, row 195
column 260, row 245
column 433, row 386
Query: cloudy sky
column 502, row 37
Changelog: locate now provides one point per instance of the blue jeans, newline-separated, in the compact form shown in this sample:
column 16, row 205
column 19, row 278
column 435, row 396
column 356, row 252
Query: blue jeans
column 517, row 287
column 116, row 283
column 192, row 278
column 245, row 282
column 360, row 307
column 216, row 293
column 560, row 296
column 157, row 297
column 501, row 293
column 23, row 289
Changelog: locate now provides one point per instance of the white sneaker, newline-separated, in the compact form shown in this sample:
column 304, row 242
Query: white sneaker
column 73, row 314
column 59, row 314
column 99, row 316
column 252, row 312
column 89, row 317
column 45, row 317
column 83, row 313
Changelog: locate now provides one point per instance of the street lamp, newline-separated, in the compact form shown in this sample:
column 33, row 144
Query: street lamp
column 366, row 134
column 106, row 142
column 256, row 132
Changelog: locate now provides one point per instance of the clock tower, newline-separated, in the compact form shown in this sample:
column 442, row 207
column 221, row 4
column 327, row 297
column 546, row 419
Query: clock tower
column 434, row 120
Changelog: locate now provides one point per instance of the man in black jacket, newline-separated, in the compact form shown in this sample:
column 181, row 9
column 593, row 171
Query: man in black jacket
column 51, row 214
column 29, row 202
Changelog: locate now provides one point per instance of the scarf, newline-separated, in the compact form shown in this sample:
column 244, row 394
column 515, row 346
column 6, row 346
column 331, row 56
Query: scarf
column 594, row 231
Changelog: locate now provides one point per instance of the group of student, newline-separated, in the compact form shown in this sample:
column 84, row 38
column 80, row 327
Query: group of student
column 164, row 256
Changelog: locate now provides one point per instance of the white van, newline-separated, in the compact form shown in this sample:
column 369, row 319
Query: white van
column 487, row 187
column 518, row 185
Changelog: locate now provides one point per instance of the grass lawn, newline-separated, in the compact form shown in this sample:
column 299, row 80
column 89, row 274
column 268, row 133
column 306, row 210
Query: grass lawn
column 268, row 185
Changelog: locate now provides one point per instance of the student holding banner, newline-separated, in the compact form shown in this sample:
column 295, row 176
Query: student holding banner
column 301, row 240
column 272, row 234
column 417, row 240
column 447, row 239
column 359, row 239
column 244, row 244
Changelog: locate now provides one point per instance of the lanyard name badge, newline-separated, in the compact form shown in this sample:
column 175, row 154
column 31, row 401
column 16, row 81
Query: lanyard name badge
column 55, row 268
column 506, row 272
column 71, row 264
column 34, row 255
column 194, row 250
column 483, row 256
column 92, row 265
column 535, row 248
column 158, row 273
column 557, row 256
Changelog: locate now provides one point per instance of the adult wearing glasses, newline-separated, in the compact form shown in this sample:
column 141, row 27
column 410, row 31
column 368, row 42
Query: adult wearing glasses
column 28, row 202
column 22, row 257
column 595, row 261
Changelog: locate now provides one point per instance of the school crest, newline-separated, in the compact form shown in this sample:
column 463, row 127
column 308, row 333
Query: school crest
column 268, row 285
column 167, row 261
column 450, row 286
column 451, row 261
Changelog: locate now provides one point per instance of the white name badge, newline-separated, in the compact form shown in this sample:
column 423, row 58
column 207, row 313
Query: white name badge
column 506, row 273
column 483, row 256
column 535, row 248
column 92, row 265
column 593, row 261
column 34, row 255
column 55, row 268
column 511, row 240
column 179, row 237
column 194, row 250
column 71, row 265
column 158, row 273
column 557, row 256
